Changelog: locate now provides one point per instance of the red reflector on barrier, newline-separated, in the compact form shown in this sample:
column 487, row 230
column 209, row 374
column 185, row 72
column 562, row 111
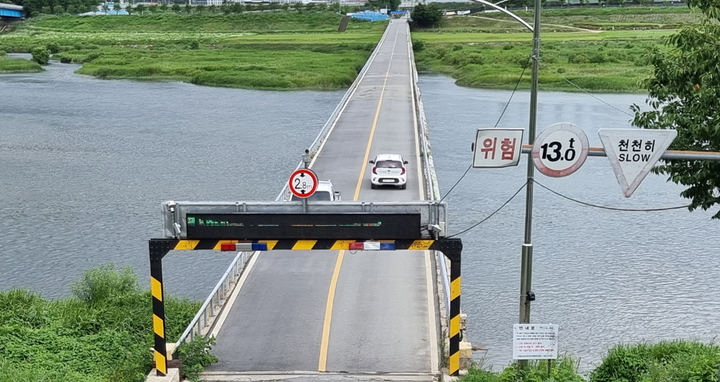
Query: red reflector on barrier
column 356, row 246
column 227, row 246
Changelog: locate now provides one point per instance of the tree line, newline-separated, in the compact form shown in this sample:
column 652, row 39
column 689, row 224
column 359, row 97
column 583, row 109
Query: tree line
column 37, row 7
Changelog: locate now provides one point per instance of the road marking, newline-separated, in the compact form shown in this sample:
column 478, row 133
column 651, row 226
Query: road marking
column 374, row 125
column 322, row 364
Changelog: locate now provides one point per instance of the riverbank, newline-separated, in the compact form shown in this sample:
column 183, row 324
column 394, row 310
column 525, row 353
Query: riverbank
column 17, row 65
column 102, row 333
column 275, row 50
column 583, row 49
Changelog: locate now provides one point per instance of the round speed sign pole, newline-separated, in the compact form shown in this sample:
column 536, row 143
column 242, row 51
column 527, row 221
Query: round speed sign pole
column 560, row 149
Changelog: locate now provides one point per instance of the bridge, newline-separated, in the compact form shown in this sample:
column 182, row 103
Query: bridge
column 327, row 308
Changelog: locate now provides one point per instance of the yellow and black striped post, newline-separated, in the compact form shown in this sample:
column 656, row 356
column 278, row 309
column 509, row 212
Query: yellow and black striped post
column 158, row 249
column 452, row 248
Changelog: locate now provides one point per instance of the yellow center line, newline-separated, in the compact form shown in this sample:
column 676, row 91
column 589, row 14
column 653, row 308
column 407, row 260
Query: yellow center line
column 322, row 365
column 325, row 342
column 374, row 125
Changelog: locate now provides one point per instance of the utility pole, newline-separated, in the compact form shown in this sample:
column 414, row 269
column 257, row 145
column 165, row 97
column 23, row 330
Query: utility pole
column 526, row 294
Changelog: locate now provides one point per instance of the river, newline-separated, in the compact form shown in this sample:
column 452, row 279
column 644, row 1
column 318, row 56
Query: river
column 86, row 163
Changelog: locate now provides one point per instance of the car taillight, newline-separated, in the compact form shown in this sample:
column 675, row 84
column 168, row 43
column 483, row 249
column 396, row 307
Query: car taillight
column 403, row 171
column 375, row 170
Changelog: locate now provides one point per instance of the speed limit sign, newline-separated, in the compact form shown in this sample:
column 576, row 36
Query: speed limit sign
column 560, row 149
column 303, row 183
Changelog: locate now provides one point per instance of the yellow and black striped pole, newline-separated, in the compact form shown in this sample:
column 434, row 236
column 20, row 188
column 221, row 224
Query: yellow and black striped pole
column 158, row 249
column 452, row 248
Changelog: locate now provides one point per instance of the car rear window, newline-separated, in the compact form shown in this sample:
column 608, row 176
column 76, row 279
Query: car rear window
column 388, row 164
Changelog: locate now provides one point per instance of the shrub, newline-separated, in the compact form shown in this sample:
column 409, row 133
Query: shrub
column 195, row 356
column 100, row 284
column 418, row 45
column 664, row 361
column 41, row 55
column 53, row 47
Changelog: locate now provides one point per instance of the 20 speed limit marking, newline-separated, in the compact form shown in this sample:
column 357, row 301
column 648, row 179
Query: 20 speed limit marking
column 303, row 183
column 560, row 149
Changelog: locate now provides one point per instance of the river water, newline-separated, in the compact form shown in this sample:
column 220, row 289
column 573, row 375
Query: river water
column 85, row 164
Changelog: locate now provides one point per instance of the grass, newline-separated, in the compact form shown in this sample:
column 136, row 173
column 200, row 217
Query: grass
column 102, row 333
column 667, row 361
column 596, row 50
column 270, row 50
column 17, row 65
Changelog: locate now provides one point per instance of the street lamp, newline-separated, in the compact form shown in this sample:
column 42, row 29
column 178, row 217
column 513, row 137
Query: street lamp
column 526, row 294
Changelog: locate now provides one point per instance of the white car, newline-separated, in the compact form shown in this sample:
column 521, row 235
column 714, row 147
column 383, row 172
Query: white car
column 325, row 192
column 388, row 170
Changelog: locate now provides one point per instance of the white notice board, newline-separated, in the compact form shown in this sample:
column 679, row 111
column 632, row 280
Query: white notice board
column 535, row 341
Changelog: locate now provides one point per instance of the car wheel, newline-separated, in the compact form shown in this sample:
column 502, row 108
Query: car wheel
column 403, row 186
column 373, row 186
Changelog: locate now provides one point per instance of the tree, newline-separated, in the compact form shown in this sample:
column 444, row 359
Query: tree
column 164, row 7
column 116, row 7
column 176, row 8
column 200, row 8
column 153, row 8
column 140, row 8
column 188, row 8
column 129, row 9
column 105, row 7
column 426, row 16
column 684, row 94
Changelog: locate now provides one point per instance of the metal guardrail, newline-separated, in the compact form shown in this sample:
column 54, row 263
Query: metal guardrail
column 216, row 300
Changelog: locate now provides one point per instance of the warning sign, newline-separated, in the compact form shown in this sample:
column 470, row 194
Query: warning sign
column 535, row 341
column 634, row 152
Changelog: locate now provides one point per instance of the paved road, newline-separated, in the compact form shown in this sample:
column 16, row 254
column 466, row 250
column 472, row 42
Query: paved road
column 338, row 315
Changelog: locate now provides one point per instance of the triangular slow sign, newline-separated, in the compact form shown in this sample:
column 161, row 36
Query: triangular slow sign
column 634, row 152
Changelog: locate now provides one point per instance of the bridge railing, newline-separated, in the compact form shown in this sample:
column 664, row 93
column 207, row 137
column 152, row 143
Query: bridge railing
column 431, row 181
column 205, row 317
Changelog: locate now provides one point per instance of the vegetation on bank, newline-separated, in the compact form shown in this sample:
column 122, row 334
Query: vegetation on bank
column 671, row 361
column 589, row 49
column 102, row 333
column 279, row 50
column 17, row 65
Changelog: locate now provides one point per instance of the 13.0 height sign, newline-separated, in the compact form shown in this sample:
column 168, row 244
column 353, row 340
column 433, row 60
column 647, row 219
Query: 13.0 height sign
column 560, row 149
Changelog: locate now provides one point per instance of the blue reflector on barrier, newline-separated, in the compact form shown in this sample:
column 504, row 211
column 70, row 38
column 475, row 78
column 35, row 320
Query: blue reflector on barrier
column 259, row 246
column 387, row 246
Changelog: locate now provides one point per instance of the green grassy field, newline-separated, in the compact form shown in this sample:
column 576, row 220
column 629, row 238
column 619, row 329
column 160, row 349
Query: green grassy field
column 254, row 50
column 596, row 50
